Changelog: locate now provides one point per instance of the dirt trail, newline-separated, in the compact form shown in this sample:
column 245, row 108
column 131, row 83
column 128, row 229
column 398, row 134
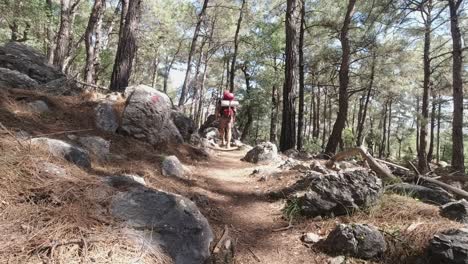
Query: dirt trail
column 236, row 199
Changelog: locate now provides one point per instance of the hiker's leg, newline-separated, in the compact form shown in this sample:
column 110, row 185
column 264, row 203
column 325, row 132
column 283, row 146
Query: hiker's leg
column 222, row 128
column 229, row 132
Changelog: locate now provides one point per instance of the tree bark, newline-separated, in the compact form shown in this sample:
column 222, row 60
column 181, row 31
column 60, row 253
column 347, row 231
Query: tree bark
column 389, row 129
column 193, row 46
column 62, row 46
column 236, row 47
column 127, row 47
column 248, row 123
column 50, row 34
column 274, row 107
column 423, row 165
column 458, row 158
column 430, row 153
column 439, row 108
column 362, row 119
column 300, row 121
column 316, row 132
column 324, row 117
column 342, row 115
column 384, row 132
column 93, row 41
column 288, row 124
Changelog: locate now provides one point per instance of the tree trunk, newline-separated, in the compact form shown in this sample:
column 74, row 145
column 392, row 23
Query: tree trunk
column 127, row 47
column 201, row 95
column 316, row 132
column 344, row 81
column 191, row 53
column 311, row 115
column 389, row 129
column 324, row 117
column 274, row 108
column 430, row 154
column 93, row 40
column 300, row 122
column 458, row 158
column 418, row 121
column 384, row 132
column 169, row 65
column 154, row 77
column 288, row 124
column 236, row 47
column 62, row 45
column 50, row 34
column 362, row 120
column 439, row 108
column 423, row 166
column 248, row 123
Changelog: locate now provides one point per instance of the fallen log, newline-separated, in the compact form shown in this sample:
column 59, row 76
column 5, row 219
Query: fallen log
column 386, row 174
column 459, row 192
column 392, row 164
column 381, row 171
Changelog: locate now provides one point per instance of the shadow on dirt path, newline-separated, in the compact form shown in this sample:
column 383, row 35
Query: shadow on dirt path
column 236, row 199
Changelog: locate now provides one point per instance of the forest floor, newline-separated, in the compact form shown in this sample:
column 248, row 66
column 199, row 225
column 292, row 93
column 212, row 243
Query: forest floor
column 224, row 188
column 238, row 201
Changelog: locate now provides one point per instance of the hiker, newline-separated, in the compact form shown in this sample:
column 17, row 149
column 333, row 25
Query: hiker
column 226, row 114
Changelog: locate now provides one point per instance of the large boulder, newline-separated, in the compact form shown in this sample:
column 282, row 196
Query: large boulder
column 62, row 149
column 337, row 194
column 169, row 220
column 38, row 107
column 96, row 145
column 171, row 166
column 106, row 117
column 449, row 247
column 185, row 124
column 357, row 240
column 457, row 211
column 147, row 116
column 428, row 195
column 24, row 67
column 264, row 152
column 15, row 79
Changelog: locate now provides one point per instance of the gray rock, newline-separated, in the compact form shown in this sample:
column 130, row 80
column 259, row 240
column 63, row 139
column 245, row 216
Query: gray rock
column 147, row 116
column 357, row 240
column 337, row 260
column 175, row 222
column 38, row 106
column 291, row 153
column 23, row 135
column 311, row 238
column 184, row 124
column 211, row 133
column 29, row 70
column 51, row 170
column 449, row 247
column 19, row 57
column 96, row 145
column 318, row 167
column 457, row 211
column 337, row 194
column 61, row 149
column 264, row 152
column 126, row 180
column 213, row 122
column 106, row 118
column 15, row 79
column 171, row 166
column 429, row 195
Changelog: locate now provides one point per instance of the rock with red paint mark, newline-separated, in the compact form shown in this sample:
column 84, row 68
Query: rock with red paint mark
column 147, row 116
